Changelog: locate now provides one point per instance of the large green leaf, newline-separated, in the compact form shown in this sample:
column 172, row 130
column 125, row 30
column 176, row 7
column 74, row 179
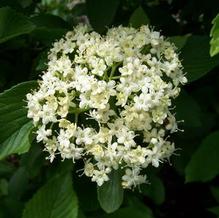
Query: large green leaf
column 196, row 59
column 214, row 49
column 138, row 18
column 13, row 24
column 179, row 41
column 15, row 127
column 155, row 190
column 110, row 194
column 101, row 13
column 204, row 164
column 56, row 199
column 48, row 28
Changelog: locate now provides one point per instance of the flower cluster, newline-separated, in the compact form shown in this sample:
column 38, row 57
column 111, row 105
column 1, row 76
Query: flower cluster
column 107, row 100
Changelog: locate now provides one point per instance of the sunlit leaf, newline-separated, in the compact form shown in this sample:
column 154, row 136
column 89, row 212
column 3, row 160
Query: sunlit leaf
column 214, row 49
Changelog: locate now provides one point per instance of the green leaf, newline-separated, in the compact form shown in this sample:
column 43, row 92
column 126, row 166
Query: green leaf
column 81, row 214
column 196, row 59
column 48, row 28
column 179, row 41
column 25, row 3
column 214, row 210
column 101, row 13
column 13, row 207
column 3, row 187
column 33, row 160
column 133, row 201
column 215, row 193
column 155, row 190
column 129, row 212
column 110, row 194
column 13, row 24
column 138, row 18
column 163, row 20
column 41, row 61
column 188, row 110
column 47, row 35
column 203, row 165
column 49, row 21
column 10, row 3
column 15, row 127
column 83, row 188
column 56, row 199
column 214, row 43
column 18, row 183
column 6, row 168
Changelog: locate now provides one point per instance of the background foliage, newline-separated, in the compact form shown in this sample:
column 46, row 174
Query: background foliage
column 187, row 187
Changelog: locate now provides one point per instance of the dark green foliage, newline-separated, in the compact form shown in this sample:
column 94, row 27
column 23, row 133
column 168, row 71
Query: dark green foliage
column 13, row 24
column 31, row 187
column 203, row 165
column 196, row 59
column 101, row 13
column 138, row 18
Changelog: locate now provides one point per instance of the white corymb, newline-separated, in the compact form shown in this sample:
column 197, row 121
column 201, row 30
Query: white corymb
column 108, row 100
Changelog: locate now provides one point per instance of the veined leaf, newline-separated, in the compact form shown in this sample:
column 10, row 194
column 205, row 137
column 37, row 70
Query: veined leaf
column 214, row 49
column 15, row 127
column 13, row 24
column 196, row 59
column 56, row 199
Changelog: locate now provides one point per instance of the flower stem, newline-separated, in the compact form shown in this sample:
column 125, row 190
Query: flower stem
column 113, row 70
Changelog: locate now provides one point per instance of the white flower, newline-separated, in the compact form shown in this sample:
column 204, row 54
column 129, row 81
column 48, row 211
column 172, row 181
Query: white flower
column 107, row 99
column 99, row 177
column 48, row 114
column 88, row 169
column 43, row 133
column 132, row 178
